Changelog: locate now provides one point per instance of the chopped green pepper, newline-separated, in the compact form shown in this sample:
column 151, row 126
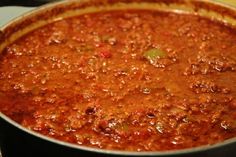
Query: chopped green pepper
column 105, row 38
column 125, row 127
column 154, row 54
column 88, row 48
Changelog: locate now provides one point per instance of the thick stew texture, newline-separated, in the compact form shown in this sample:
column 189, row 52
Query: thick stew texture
column 135, row 80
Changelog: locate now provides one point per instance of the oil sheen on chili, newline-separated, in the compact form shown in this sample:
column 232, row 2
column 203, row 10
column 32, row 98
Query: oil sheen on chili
column 136, row 80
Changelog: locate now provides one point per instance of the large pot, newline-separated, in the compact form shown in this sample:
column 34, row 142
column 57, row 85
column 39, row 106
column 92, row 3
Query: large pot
column 16, row 140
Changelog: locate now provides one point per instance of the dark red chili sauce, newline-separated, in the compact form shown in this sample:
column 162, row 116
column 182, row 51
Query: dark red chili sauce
column 137, row 80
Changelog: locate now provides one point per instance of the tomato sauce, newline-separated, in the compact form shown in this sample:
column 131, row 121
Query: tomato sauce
column 135, row 80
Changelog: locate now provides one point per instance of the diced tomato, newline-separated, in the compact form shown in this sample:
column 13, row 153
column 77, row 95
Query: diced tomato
column 105, row 54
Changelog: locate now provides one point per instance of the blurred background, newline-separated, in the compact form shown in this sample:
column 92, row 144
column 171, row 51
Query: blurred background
column 40, row 2
column 24, row 2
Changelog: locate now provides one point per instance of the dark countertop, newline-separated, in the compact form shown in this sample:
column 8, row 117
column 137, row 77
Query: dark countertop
column 24, row 2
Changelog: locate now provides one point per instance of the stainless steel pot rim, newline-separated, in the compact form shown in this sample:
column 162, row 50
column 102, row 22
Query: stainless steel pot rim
column 113, row 152
column 116, row 152
column 54, row 3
